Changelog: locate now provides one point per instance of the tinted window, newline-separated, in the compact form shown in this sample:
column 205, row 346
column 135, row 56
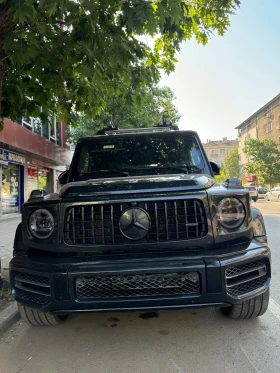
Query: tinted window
column 137, row 155
column 250, row 188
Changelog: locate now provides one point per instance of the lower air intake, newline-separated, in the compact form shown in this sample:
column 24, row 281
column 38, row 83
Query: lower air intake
column 247, row 277
column 137, row 285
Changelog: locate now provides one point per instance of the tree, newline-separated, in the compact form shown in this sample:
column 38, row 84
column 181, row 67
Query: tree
column 58, row 56
column 144, row 109
column 264, row 160
column 230, row 166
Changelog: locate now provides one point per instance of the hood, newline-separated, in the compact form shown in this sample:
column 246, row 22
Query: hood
column 137, row 184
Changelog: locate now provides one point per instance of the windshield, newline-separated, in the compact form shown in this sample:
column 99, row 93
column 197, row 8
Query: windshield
column 138, row 155
column 250, row 188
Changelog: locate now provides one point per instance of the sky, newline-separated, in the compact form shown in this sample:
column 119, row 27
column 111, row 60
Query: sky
column 220, row 85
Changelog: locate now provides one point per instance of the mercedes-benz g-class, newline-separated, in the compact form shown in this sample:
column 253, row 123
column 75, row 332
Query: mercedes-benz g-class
column 140, row 224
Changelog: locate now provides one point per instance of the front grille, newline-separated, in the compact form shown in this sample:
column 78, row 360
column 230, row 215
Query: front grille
column 137, row 285
column 246, row 277
column 170, row 221
column 32, row 288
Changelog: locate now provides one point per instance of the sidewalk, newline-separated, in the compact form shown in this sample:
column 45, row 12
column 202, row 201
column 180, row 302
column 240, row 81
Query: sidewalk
column 8, row 226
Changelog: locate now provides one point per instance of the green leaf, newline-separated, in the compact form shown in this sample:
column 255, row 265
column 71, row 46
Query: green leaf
column 75, row 56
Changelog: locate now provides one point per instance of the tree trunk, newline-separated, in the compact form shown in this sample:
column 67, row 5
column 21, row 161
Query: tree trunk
column 3, row 69
column 6, row 26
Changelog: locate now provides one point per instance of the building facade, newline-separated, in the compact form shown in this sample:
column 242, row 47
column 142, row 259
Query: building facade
column 217, row 151
column 32, row 156
column 263, row 124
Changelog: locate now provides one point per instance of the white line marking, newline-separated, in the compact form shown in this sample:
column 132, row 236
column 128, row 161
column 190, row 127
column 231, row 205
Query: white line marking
column 180, row 370
column 274, row 308
column 248, row 358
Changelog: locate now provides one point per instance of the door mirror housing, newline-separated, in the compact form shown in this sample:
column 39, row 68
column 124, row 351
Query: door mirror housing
column 63, row 177
column 215, row 168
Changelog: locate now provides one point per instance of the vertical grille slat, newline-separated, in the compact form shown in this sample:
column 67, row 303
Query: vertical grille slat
column 102, row 223
column 166, row 220
column 112, row 223
column 92, row 224
column 195, row 216
column 176, row 219
column 156, row 218
column 171, row 220
column 83, row 224
column 186, row 218
column 73, row 225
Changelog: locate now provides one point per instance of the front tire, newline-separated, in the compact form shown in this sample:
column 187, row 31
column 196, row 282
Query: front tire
column 39, row 318
column 248, row 309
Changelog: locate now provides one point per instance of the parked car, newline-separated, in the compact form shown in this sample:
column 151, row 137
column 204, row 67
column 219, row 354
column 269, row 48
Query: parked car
column 273, row 194
column 262, row 192
column 253, row 192
column 140, row 224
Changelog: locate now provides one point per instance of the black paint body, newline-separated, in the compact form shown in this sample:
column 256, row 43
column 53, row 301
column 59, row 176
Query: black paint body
column 209, row 256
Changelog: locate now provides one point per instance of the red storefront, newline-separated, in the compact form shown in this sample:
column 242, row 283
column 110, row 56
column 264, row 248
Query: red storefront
column 44, row 150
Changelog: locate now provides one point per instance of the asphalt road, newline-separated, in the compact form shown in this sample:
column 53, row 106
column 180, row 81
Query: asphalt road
column 176, row 341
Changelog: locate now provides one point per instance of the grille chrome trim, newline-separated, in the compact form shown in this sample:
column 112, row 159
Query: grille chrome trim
column 171, row 220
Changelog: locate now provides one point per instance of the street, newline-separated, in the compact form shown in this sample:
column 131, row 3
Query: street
column 201, row 340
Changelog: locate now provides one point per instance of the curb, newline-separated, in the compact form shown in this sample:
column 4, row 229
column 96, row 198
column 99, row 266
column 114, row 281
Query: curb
column 8, row 317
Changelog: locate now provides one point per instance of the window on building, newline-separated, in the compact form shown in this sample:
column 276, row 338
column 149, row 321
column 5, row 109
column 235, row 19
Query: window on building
column 222, row 151
column 222, row 159
column 53, row 134
column 267, row 127
column 214, row 152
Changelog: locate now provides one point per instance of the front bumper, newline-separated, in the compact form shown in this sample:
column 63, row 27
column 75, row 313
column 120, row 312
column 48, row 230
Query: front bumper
column 50, row 284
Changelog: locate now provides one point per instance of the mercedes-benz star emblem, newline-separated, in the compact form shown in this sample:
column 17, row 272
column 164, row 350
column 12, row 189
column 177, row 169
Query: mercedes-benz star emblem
column 135, row 223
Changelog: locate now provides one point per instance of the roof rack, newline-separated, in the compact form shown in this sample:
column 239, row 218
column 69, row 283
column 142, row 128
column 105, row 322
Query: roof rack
column 164, row 127
column 139, row 130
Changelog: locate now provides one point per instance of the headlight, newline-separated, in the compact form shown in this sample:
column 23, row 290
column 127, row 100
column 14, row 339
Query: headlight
column 231, row 213
column 41, row 224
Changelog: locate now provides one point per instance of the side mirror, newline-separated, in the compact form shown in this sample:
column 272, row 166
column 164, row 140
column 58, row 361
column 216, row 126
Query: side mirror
column 37, row 193
column 63, row 177
column 215, row 168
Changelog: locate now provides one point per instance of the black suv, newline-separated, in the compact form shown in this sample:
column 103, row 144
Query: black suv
column 140, row 224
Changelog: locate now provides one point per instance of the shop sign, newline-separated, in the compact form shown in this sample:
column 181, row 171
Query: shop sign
column 40, row 163
column 32, row 172
column 10, row 157
column 251, row 178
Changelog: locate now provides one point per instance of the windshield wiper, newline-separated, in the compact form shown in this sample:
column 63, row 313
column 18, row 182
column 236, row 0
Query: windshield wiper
column 185, row 169
column 182, row 169
column 98, row 173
